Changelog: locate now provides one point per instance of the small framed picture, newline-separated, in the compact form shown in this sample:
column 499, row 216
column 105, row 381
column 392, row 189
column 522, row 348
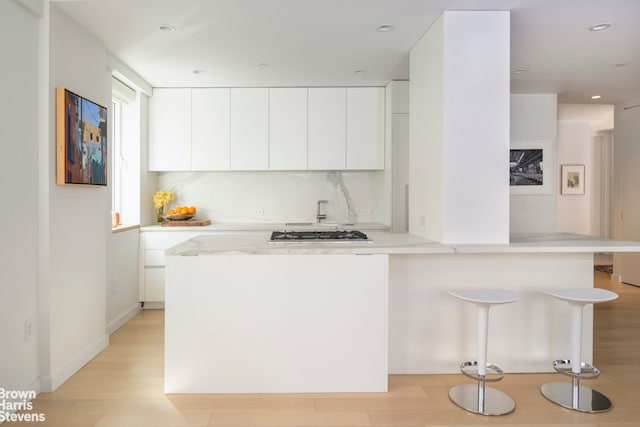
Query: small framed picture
column 572, row 179
column 528, row 173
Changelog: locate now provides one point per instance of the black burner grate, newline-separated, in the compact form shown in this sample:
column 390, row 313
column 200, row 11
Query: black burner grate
column 280, row 236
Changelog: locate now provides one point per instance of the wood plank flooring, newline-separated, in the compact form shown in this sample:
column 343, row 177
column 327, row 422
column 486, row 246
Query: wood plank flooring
column 123, row 387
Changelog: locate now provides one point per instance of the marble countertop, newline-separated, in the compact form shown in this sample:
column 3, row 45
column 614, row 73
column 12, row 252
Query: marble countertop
column 268, row 226
column 395, row 243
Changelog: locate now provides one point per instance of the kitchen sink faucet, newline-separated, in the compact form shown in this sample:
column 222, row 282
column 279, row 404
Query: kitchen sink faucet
column 320, row 215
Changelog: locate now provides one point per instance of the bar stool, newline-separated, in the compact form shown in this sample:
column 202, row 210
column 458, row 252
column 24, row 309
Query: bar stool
column 573, row 395
column 480, row 399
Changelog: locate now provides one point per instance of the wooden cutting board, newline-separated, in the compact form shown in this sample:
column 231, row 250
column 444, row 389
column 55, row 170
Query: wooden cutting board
column 187, row 223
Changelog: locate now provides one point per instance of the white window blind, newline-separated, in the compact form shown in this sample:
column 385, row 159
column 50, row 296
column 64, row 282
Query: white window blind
column 122, row 92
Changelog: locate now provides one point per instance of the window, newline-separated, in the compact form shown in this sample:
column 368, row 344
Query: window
column 125, row 155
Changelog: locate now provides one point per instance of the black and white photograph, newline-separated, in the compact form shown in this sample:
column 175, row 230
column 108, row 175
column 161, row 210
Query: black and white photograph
column 525, row 167
column 527, row 161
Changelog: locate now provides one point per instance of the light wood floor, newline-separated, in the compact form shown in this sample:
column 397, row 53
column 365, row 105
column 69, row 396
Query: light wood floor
column 123, row 387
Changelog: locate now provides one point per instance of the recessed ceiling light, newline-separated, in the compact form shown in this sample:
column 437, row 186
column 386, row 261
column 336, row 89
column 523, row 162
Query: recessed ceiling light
column 360, row 72
column 263, row 65
column 622, row 64
column 166, row 28
column 600, row 27
column 384, row 28
column 199, row 71
column 519, row 71
column 596, row 97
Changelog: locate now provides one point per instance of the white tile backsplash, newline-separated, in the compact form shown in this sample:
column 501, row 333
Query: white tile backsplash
column 251, row 197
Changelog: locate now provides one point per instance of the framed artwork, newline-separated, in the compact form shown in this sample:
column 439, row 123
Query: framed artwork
column 528, row 173
column 572, row 179
column 81, row 140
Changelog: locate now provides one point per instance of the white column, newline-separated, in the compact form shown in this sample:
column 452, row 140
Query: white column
column 459, row 129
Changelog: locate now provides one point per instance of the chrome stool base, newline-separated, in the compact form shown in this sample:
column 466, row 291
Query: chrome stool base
column 578, row 398
column 481, row 400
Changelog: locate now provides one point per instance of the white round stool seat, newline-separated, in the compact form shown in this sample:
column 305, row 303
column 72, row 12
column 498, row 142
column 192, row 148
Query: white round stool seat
column 582, row 296
column 478, row 398
column 485, row 296
column 573, row 395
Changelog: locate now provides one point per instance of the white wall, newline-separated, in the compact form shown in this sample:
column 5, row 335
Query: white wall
column 534, row 118
column 234, row 197
column 584, row 137
column 19, row 185
column 575, row 148
column 78, row 218
column 459, row 129
column 426, row 134
column 121, row 292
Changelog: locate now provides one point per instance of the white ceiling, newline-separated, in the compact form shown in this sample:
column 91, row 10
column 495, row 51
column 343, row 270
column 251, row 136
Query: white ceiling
column 323, row 42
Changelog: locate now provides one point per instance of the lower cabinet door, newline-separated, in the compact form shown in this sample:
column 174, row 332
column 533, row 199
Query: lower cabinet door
column 154, row 284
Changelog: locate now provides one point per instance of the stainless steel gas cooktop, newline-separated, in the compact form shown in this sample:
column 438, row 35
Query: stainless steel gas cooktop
column 318, row 236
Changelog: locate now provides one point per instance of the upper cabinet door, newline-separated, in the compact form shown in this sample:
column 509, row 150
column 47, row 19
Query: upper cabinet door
column 249, row 149
column 210, row 129
column 288, row 129
column 327, row 128
column 365, row 128
column 170, row 130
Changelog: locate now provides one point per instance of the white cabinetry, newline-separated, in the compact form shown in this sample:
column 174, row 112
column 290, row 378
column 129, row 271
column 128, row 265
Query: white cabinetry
column 327, row 128
column 170, row 130
column 210, row 129
column 249, row 129
column 288, row 129
column 242, row 129
column 152, row 247
column 365, row 128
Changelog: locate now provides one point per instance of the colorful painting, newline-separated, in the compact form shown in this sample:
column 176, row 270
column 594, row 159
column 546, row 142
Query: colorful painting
column 81, row 140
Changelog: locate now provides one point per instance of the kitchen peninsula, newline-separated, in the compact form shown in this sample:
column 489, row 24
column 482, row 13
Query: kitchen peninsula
column 244, row 315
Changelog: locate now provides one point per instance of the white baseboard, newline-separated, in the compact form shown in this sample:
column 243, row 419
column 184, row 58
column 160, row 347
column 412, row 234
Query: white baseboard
column 50, row 383
column 153, row 306
column 123, row 318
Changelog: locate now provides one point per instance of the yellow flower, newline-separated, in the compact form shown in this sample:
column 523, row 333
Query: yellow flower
column 162, row 198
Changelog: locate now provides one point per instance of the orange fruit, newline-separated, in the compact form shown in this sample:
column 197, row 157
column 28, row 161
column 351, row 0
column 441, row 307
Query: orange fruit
column 171, row 212
column 192, row 209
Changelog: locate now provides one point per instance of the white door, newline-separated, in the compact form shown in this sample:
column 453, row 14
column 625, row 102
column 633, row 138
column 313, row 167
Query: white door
column 170, row 130
column 365, row 128
column 327, row 128
column 249, row 149
column 627, row 153
column 210, row 129
column 288, row 129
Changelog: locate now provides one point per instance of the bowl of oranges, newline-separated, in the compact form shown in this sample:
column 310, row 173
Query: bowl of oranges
column 181, row 213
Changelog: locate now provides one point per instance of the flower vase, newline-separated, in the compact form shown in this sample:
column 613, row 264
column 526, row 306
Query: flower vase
column 160, row 216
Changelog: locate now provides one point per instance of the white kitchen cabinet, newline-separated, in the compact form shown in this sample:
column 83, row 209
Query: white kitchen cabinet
column 365, row 128
column 288, row 129
column 327, row 128
column 152, row 247
column 256, row 129
column 249, row 149
column 170, row 130
column 210, row 129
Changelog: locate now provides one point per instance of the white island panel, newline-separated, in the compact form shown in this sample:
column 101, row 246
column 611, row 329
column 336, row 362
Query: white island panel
column 276, row 324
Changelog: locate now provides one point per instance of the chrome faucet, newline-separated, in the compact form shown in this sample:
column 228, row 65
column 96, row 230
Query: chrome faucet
column 319, row 214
